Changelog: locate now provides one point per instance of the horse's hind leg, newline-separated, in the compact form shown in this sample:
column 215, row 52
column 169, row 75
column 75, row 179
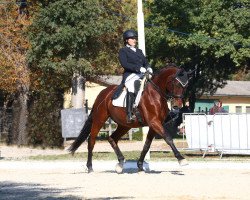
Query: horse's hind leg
column 113, row 140
column 90, row 154
column 96, row 126
column 150, row 137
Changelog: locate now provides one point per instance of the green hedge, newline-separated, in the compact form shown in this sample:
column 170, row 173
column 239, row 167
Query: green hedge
column 138, row 135
column 44, row 127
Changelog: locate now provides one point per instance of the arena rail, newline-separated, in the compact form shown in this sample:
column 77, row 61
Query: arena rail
column 222, row 133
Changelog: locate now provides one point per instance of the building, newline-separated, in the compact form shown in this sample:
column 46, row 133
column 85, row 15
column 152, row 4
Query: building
column 94, row 88
column 235, row 95
column 235, row 98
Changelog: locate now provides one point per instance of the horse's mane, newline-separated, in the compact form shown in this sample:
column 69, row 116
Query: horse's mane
column 170, row 65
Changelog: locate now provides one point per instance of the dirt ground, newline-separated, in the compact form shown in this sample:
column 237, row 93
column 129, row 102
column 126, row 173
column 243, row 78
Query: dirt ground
column 100, row 146
column 52, row 180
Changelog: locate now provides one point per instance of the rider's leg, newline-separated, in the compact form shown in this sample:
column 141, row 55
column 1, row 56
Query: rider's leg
column 130, row 85
column 129, row 105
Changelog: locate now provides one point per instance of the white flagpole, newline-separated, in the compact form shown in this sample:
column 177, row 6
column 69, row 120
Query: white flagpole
column 140, row 27
column 141, row 45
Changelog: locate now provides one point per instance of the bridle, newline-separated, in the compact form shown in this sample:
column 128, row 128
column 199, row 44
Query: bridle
column 170, row 95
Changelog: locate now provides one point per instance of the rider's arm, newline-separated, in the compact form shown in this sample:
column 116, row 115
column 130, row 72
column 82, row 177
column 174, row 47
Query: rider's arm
column 145, row 61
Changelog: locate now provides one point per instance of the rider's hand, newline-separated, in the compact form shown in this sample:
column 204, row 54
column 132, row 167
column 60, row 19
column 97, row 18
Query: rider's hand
column 149, row 69
column 142, row 70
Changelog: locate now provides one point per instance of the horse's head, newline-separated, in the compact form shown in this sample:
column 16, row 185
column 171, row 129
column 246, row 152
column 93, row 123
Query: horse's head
column 173, row 81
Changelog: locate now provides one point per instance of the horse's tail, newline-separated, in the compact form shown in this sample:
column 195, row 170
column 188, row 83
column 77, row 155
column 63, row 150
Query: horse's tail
column 85, row 132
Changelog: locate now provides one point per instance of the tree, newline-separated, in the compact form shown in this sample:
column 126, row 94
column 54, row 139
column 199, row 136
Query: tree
column 212, row 35
column 67, row 38
column 77, row 38
column 14, row 70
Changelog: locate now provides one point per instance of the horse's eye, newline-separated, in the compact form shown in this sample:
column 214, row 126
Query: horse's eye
column 181, row 74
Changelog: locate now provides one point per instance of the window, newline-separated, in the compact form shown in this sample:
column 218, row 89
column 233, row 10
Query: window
column 247, row 109
column 238, row 109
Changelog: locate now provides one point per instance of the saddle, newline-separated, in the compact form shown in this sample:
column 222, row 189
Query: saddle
column 119, row 96
column 118, row 91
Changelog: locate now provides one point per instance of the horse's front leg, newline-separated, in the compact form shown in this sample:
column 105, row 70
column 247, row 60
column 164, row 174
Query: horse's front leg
column 161, row 130
column 146, row 147
column 168, row 138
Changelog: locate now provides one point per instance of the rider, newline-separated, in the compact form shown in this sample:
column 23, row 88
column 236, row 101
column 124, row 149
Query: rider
column 135, row 65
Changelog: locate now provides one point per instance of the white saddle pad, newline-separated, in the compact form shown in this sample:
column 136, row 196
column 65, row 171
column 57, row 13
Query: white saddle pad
column 121, row 100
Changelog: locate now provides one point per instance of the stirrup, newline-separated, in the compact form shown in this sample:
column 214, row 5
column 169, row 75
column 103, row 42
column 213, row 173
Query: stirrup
column 130, row 119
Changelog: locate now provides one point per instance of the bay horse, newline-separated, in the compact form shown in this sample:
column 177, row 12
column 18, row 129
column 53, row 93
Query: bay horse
column 168, row 83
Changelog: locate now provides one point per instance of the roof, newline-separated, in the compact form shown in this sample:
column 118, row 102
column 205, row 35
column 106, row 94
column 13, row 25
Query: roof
column 234, row 88
column 109, row 80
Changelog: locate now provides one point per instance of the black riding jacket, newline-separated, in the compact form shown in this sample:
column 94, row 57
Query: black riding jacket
column 131, row 61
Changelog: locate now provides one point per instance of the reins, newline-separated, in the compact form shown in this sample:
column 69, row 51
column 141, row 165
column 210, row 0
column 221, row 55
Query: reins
column 165, row 95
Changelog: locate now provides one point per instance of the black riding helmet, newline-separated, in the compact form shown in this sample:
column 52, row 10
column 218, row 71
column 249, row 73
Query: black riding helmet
column 129, row 34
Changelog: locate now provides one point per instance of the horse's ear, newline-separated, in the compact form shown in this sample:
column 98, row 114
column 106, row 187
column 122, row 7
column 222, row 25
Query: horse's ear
column 190, row 73
column 182, row 77
column 181, row 72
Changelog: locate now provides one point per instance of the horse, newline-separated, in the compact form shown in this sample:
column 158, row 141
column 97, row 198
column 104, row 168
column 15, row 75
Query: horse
column 169, row 83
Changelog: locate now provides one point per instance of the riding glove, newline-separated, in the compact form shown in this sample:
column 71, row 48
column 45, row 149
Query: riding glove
column 149, row 69
column 142, row 70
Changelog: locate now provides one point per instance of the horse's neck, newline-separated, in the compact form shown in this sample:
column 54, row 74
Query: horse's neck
column 161, row 80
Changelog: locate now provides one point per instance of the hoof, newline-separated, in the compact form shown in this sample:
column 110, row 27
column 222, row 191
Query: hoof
column 141, row 171
column 183, row 162
column 90, row 170
column 119, row 168
column 87, row 170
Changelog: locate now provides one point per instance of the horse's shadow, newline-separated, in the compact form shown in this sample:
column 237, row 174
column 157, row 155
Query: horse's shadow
column 135, row 171
column 130, row 167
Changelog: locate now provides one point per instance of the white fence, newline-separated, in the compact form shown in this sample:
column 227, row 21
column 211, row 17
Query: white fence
column 224, row 133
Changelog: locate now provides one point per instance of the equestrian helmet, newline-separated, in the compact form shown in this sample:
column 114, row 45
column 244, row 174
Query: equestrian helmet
column 129, row 34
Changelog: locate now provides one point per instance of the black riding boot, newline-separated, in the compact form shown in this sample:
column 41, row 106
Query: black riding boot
column 130, row 101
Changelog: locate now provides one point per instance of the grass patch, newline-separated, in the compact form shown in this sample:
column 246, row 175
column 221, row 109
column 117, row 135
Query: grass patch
column 134, row 156
column 131, row 155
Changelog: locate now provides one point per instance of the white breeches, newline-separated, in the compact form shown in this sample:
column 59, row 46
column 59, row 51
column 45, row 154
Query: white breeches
column 129, row 82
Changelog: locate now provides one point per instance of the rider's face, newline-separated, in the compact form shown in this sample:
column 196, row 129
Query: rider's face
column 132, row 42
